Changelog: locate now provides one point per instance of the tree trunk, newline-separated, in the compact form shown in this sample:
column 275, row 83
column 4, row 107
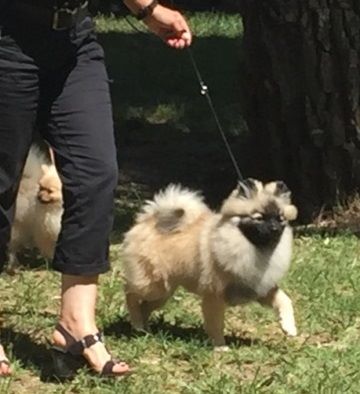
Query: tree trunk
column 301, row 94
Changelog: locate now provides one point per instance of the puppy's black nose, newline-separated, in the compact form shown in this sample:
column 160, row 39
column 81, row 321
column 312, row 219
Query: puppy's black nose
column 275, row 225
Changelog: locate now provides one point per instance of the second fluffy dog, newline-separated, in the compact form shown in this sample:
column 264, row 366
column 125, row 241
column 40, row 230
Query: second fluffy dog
column 38, row 212
column 227, row 258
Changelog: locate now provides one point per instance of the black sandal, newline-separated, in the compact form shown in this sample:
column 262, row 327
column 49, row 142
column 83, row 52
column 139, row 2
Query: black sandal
column 67, row 361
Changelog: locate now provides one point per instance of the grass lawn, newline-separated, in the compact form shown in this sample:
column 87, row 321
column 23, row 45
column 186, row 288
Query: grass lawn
column 176, row 358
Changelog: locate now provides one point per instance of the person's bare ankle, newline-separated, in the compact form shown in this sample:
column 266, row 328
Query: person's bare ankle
column 75, row 329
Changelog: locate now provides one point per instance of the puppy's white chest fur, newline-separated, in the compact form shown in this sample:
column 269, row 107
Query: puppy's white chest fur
column 254, row 271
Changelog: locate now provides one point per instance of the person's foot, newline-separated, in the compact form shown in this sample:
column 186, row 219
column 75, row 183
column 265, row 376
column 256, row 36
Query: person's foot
column 5, row 369
column 96, row 355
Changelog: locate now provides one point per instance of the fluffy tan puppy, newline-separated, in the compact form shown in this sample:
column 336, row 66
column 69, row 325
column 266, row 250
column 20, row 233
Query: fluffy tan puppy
column 38, row 212
column 227, row 258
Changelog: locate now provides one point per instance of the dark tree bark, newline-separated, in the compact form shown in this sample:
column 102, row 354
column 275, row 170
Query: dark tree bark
column 301, row 94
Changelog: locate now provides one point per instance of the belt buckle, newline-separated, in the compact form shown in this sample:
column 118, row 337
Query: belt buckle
column 64, row 18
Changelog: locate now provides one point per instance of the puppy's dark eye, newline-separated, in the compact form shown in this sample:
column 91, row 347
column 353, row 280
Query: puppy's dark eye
column 257, row 216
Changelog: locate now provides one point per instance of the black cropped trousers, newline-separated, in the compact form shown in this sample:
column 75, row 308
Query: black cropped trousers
column 56, row 82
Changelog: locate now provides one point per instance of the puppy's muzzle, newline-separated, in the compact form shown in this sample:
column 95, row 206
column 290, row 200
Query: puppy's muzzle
column 45, row 197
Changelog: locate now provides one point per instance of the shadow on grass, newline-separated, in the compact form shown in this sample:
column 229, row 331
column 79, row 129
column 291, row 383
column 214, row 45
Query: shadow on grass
column 145, row 73
column 31, row 259
column 27, row 260
column 29, row 353
column 161, row 328
column 153, row 156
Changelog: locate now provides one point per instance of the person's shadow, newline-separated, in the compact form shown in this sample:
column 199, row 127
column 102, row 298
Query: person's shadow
column 31, row 354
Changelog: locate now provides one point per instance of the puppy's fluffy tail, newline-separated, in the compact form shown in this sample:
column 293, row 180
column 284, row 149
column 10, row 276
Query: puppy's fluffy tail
column 32, row 168
column 173, row 208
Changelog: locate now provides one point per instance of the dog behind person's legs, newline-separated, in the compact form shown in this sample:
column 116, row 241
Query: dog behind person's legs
column 38, row 212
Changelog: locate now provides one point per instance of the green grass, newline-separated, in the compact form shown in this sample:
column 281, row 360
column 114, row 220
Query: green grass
column 176, row 357
column 203, row 24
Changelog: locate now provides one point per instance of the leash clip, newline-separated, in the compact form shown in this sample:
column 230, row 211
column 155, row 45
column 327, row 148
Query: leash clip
column 204, row 89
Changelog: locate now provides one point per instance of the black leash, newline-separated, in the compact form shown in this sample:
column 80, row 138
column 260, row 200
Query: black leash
column 204, row 91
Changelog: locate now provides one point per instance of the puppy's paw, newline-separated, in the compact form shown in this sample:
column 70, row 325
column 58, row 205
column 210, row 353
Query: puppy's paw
column 289, row 328
column 286, row 313
column 221, row 349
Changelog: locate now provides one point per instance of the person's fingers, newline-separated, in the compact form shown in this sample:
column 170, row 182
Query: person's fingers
column 187, row 37
column 175, row 43
column 178, row 41
column 179, row 45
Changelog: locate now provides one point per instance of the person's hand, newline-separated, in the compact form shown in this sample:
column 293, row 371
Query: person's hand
column 170, row 26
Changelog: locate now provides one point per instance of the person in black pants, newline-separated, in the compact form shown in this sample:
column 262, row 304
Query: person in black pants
column 53, row 78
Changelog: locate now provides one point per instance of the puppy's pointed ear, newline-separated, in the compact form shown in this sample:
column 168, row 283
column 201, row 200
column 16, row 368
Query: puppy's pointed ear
column 282, row 189
column 279, row 189
column 247, row 188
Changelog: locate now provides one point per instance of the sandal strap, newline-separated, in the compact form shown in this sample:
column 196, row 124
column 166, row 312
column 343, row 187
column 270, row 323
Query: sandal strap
column 108, row 368
column 75, row 347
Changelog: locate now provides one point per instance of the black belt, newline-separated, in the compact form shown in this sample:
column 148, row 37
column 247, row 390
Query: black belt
column 43, row 14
